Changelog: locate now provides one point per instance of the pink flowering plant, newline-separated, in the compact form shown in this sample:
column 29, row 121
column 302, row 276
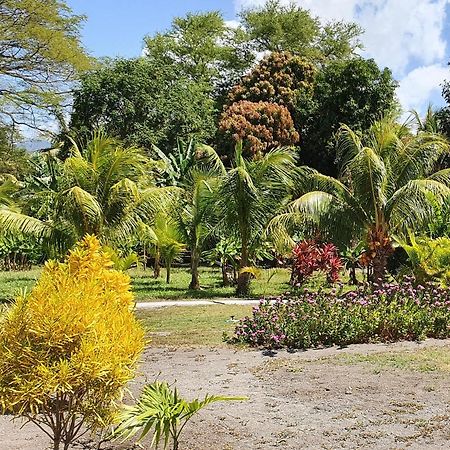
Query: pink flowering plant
column 382, row 313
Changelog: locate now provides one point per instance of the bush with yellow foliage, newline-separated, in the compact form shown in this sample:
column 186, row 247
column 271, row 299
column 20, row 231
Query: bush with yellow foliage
column 69, row 347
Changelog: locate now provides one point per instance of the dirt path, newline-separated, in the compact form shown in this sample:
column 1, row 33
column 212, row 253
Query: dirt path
column 305, row 400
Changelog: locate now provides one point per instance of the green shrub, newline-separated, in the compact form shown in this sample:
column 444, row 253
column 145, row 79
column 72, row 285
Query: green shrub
column 429, row 259
column 19, row 252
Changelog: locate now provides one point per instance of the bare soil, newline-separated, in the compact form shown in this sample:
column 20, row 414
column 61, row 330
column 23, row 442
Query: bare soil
column 302, row 400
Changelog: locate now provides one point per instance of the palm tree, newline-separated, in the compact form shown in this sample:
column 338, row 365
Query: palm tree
column 386, row 180
column 167, row 241
column 101, row 189
column 249, row 195
column 193, row 211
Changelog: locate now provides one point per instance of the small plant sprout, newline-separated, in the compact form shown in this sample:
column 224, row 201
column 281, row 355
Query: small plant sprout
column 160, row 409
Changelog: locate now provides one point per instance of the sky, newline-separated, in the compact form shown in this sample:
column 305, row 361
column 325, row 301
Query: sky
column 411, row 37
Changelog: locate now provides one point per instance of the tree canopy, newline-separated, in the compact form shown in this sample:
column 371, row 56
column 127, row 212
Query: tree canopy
column 276, row 27
column 40, row 53
column 201, row 46
column 355, row 92
column 143, row 103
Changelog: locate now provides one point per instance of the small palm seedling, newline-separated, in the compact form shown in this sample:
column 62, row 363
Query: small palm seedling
column 162, row 410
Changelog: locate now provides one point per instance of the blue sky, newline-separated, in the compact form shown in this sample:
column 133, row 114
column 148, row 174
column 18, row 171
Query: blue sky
column 409, row 36
column 117, row 27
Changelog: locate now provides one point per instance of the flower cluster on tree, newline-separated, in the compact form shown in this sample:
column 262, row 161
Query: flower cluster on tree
column 279, row 78
column 260, row 126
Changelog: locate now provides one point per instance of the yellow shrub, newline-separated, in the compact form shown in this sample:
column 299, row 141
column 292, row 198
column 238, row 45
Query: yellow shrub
column 68, row 348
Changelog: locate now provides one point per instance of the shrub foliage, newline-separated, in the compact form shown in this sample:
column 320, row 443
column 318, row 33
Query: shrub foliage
column 370, row 314
column 311, row 256
column 68, row 348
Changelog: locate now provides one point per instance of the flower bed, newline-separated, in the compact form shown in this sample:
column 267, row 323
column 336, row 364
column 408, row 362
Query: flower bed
column 383, row 313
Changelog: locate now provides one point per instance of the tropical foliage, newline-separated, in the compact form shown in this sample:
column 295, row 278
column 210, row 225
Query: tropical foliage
column 264, row 143
column 428, row 259
column 386, row 178
column 103, row 188
column 161, row 409
column 312, row 256
column 247, row 196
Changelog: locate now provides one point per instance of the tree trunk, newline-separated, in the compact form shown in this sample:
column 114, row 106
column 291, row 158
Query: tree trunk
column 380, row 248
column 352, row 276
column 157, row 266
column 167, row 273
column 243, row 281
column 195, row 261
column 225, row 278
column 379, row 264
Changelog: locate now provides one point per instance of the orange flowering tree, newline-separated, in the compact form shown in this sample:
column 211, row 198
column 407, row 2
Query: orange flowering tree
column 261, row 127
column 281, row 78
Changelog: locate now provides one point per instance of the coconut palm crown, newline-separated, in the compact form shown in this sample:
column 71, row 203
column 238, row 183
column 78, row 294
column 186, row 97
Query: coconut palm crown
column 387, row 178
column 102, row 188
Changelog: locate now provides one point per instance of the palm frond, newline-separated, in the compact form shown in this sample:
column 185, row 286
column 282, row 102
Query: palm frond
column 442, row 176
column 369, row 180
column 418, row 157
column 348, row 145
column 410, row 208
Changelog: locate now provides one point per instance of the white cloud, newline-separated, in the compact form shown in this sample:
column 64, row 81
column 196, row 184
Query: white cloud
column 232, row 24
column 401, row 32
column 421, row 85
column 404, row 35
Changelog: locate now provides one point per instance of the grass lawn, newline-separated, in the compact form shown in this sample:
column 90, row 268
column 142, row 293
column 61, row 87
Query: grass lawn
column 146, row 288
column 191, row 325
column 271, row 282
column 11, row 283
column 431, row 359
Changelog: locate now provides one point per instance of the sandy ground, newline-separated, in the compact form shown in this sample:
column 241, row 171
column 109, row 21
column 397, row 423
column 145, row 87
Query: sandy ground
column 297, row 401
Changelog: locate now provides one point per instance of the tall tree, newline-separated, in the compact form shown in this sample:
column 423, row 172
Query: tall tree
column 260, row 126
column 258, row 110
column 280, row 77
column 193, row 211
column 40, row 52
column 355, row 92
column 387, row 178
column 203, row 47
column 143, row 103
column 277, row 27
